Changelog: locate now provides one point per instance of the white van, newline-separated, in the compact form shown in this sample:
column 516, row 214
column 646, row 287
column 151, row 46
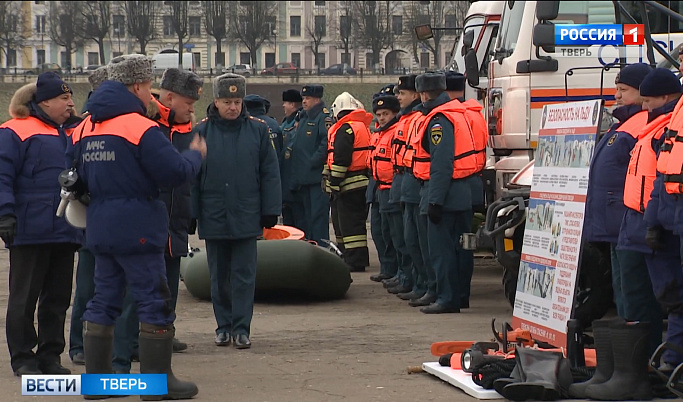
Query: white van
column 169, row 59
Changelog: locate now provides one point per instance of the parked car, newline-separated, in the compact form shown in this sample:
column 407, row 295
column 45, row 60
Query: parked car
column 338, row 69
column 281, row 69
column 241, row 69
column 45, row 67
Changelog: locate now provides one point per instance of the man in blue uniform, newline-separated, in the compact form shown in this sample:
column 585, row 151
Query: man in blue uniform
column 292, row 207
column 41, row 246
column 446, row 202
column 308, row 155
column 236, row 195
column 174, row 112
column 258, row 107
column 124, row 159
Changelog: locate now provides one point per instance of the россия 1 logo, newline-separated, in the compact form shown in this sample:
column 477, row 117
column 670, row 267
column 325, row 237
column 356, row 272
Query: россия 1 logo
column 599, row 34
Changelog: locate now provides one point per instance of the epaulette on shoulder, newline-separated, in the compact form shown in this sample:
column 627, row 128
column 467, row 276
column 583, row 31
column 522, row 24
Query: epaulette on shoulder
column 204, row 119
column 259, row 120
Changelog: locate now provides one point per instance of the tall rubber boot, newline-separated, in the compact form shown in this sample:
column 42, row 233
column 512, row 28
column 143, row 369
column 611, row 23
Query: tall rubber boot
column 547, row 376
column 630, row 380
column 156, row 349
column 604, row 356
column 98, row 342
column 516, row 376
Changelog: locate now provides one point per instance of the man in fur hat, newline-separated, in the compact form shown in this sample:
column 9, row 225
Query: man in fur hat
column 174, row 112
column 237, row 194
column 41, row 245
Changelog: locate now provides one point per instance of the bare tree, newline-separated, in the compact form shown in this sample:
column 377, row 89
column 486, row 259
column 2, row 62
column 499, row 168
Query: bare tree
column 97, row 22
column 179, row 23
column 141, row 20
column 216, row 24
column 346, row 21
column 250, row 23
column 415, row 15
column 373, row 26
column 65, row 18
column 316, row 31
column 11, row 36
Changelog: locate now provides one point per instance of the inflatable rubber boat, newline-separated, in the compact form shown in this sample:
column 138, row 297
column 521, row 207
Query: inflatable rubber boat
column 286, row 264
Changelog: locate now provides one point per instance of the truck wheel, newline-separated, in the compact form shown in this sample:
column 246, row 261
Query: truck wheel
column 594, row 287
column 510, row 285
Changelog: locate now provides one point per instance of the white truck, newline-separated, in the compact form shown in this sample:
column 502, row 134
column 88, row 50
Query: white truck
column 527, row 72
column 168, row 58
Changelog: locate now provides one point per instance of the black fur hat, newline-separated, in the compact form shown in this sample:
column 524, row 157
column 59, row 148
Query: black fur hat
column 406, row 82
column 386, row 102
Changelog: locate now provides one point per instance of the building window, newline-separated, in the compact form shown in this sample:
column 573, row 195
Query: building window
column 65, row 60
column 40, row 24
column 168, row 26
column 271, row 25
column 245, row 58
column 295, row 3
column 270, row 59
column 11, row 58
column 220, row 59
column 40, row 56
column 243, row 24
column 295, row 25
column 39, row 2
column 117, row 54
column 345, row 26
column 346, row 58
column 320, row 25
column 450, row 22
column 320, row 3
column 424, row 60
column 93, row 58
column 195, row 26
column 296, row 59
column 397, row 24
column 119, row 25
column 197, row 57
column 321, row 60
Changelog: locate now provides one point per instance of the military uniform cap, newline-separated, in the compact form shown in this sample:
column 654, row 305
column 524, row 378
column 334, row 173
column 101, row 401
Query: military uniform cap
column 182, row 82
column 406, row 82
column 430, row 81
column 315, row 91
column 229, row 86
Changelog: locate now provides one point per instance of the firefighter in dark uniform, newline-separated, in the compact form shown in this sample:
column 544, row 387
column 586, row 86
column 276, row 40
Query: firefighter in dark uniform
column 124, row 159
column 348, row 146
column 308, row 156
column 41, row 245
column 446, row 197
column 174, row 112
column 292, row 207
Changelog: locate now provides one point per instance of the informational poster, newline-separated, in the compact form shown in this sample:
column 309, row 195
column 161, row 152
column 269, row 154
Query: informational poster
column 554, row 221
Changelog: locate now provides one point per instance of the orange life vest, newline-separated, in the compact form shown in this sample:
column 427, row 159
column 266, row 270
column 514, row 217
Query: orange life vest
column 642, row 167
column 382, row 158
column 470, row 147
column 359, row 120
column 28, row 127
column 399, row 143
column 411, row 128
column 374, row 139
column 670, row 162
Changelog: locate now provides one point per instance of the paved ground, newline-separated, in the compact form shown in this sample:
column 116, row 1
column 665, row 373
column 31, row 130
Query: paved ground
column 355, row 349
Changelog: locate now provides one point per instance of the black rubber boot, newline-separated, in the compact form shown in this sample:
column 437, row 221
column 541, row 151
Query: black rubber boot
column 156, row 349
column 515, row 376
column 547, row 376
column 630, row 380
column 98, row 342
column 604, row 356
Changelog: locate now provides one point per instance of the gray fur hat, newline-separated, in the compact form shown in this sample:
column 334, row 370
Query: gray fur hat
column 130, row 69
column 98, row 76
column 185, row 83
column 229, row 85
column 430, row 81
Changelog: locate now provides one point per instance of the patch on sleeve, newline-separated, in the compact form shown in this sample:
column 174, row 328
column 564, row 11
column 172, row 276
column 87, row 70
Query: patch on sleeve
column 436, row 134
column 612, row 139
column 349, row 131
column 328, row 122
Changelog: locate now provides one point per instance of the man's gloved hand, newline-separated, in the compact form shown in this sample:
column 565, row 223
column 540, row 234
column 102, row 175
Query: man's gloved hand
column 434, row 212
column 655, row 238
column 193, row 227
column 268, row 221
column 8, row 228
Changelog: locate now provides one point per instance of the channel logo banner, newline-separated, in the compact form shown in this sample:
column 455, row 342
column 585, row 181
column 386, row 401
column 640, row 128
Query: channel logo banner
column 599, row 34
column 94, row 384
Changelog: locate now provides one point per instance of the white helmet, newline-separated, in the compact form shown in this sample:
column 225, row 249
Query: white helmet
column 345, row 101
